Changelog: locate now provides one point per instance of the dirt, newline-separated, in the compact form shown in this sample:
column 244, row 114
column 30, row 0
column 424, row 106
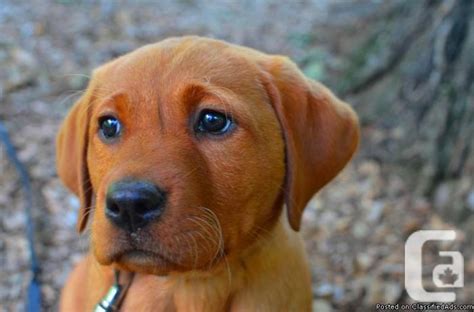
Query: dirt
column 355, row 229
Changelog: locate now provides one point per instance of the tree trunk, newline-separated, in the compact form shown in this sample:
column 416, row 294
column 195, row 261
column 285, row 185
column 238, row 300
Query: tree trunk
column 412, row 77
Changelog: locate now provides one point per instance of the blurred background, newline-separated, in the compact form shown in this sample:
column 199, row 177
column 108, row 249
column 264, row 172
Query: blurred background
column 407, row 67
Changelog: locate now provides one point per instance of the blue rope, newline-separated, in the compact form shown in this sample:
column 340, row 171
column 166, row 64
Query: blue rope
column 34, row 292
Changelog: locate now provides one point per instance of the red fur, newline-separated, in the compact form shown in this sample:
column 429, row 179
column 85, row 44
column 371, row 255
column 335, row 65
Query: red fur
column 222, row 242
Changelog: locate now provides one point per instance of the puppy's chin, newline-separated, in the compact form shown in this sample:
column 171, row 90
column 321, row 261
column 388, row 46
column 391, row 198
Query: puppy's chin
column 146, row 263
column 140, row 261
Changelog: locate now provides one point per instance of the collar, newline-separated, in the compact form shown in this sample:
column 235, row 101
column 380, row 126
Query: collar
column 113, row 299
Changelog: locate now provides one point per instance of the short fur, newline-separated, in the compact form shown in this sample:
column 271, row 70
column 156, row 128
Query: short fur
column 222, row 243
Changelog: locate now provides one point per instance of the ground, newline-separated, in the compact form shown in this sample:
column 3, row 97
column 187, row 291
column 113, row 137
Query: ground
column 354, row 229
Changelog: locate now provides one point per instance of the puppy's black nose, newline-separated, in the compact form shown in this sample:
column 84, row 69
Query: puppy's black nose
column 133, row 204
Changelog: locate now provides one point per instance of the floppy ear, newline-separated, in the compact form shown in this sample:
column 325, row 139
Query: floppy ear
column 71, row 154
column 320, row 131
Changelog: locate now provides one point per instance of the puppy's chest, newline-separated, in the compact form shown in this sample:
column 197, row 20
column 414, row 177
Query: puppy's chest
column 148, row 294
column 157, row 294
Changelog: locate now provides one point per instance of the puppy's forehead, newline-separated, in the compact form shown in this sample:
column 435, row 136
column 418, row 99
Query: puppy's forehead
column 163, row 67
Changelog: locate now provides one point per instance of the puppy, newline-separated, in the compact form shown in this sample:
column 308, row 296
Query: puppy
column 193, row 160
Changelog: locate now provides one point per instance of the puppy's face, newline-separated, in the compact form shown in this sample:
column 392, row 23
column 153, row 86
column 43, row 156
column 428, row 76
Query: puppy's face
column 208, row 139
column 182, row 150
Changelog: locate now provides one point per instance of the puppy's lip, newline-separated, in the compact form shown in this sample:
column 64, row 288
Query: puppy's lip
column 137, row 255
column 140, row 257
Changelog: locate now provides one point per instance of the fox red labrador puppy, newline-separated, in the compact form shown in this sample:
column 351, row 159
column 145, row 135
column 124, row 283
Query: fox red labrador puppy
column 193, row 160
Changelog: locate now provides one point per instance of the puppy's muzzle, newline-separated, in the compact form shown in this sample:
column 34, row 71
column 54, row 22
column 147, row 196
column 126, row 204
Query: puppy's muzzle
column 132, row 205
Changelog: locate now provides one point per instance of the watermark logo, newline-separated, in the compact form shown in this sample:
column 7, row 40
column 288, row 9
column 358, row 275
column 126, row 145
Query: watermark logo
column 444, row 275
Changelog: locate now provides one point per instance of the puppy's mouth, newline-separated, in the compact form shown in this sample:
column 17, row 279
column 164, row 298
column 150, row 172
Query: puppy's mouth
column 139, row 257
column 137, row 252
column 144, row 261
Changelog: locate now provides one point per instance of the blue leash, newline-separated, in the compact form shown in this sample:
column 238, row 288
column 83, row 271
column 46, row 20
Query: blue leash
column 34, row 292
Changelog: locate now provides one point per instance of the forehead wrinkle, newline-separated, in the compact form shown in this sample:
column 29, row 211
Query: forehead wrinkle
column 118, row 101
column 189, row 93
column 146, row 96
column 161, row 112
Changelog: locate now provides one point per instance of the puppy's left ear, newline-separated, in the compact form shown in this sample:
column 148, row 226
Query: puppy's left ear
column 71, row 153
column 321, row 132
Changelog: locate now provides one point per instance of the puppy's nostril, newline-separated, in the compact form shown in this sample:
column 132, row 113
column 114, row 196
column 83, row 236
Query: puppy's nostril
column 142, row 209
column 113, row 208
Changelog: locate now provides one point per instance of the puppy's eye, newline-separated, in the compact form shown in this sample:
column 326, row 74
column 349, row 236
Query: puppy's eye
column 213, row 122
column 109, row 127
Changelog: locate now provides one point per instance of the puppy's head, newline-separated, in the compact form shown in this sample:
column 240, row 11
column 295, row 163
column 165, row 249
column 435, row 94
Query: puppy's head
column 184, row 151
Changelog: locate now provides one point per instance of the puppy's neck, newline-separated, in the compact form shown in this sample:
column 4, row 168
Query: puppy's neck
column 273, row 265
column 276, row 258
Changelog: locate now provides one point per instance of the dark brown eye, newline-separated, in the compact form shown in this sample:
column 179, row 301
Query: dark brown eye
column 109, row 127
column 213, row 122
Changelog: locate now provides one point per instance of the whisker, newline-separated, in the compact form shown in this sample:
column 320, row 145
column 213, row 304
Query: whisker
column 196, row 220
column 210, row 215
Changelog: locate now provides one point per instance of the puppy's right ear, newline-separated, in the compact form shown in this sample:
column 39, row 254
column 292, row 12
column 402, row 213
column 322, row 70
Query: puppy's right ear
column 71, row 153
column 321, row 132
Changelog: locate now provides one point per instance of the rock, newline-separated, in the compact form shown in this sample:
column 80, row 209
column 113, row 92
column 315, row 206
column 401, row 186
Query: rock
column 48, row 292
column 375, row 292
column 324, row 290
column 19, row 68
column 364, row 261
column 15, row 221
column 360, row 230
column 320, row 305
column 392, row 292
column 376, row 211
